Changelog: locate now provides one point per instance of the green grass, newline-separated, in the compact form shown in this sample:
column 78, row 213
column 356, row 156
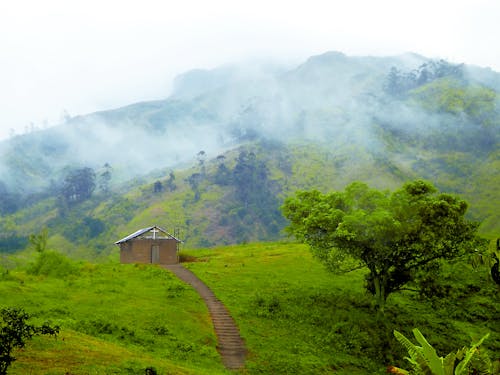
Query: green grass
column 217, row 218
column 295, row 316
column 78, row 353
column 298, row 318
column 130, row 317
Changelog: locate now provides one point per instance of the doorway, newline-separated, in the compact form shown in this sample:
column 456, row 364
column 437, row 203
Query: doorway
column 155, row 254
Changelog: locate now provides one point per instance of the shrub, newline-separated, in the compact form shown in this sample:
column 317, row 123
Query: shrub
column 51, row 263
column 425, row 360
column 14, row 331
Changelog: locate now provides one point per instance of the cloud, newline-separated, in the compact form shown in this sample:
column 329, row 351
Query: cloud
column 85, row 56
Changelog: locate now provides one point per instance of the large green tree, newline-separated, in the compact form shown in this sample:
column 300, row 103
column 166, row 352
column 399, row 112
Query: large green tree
column 394, row 235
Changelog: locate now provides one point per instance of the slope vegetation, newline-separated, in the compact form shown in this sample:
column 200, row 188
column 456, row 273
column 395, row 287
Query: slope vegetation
column 215, row 160
column 114, row 319
column 294, row 316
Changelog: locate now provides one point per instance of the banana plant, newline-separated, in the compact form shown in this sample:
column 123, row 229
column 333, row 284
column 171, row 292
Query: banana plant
column 490, row 258
column 425, row 360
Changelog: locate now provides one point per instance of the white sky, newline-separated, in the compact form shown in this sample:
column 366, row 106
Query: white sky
column 84, row 56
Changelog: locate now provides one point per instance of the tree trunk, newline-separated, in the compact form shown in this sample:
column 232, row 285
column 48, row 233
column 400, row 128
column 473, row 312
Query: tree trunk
column 380, row 295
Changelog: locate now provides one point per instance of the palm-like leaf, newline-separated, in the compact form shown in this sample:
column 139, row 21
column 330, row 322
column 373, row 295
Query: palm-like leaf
column 432, row 360
column 462, row 366
column 426, row 361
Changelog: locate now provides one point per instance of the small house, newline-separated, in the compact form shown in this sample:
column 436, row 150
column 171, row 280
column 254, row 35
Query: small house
column 149, row 245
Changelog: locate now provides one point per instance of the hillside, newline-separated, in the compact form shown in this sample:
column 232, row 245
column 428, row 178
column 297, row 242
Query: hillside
column 330, row 95
column 235, row 197
column 216, row 158
column 114, row 319
column 295, row 316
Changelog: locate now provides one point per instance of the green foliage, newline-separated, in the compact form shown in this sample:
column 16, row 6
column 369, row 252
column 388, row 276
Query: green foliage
column 393, row 235
column 220, row 216
column 489, row 259
column 425, row 360
column 296, row 318
column 171, row 181
column 78, row 185
column 8, row 200
column 39, row 241
column 398, row 83
column 54, row 264
column 104, row 178
column 109, row 312
column 15, row 331
column 253, row 200
column 12, row 243
column 456, row 97
column 83, row 229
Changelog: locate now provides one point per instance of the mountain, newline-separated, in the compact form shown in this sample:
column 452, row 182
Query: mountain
column 208, row 110
column 235, row 140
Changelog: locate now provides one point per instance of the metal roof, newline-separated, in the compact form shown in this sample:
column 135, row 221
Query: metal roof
column 144, row 230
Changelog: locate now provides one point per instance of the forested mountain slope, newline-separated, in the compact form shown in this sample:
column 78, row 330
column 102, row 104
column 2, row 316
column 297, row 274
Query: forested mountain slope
column 216, row 158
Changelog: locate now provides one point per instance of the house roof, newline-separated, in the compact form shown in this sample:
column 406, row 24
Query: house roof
column 142, row 231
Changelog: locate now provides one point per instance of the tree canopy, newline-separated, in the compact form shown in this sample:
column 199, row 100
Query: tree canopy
column 78, row 185
column 394, row 235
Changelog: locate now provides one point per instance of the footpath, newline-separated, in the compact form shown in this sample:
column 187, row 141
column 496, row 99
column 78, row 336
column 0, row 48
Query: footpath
column 230, row 345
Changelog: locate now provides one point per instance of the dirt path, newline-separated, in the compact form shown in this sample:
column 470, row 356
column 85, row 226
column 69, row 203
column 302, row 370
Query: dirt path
column 230, row 344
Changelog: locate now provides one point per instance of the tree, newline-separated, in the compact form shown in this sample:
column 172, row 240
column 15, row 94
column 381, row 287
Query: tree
column 79, row 184
column 250, row 178
column 223, row 174
column 394, row 235
column 8, row 200
column 171, row 181
column 39, row 241
column 194, row 181
column 201, row 156
column 157, row 187
column 105, row 178
column 14, row 331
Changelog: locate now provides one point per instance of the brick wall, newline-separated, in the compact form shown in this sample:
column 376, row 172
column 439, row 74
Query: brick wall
column 139, row 251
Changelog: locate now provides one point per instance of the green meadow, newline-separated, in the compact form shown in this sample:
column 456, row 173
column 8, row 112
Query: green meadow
column 114, row 318
column 295, row 316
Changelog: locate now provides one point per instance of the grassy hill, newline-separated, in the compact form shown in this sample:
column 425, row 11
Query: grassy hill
column 114, row 319
column 322, row 125
column 294, row 316
column 225, row 208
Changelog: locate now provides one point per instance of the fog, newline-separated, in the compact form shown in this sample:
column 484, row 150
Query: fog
column 87, row 56
column 332, row 98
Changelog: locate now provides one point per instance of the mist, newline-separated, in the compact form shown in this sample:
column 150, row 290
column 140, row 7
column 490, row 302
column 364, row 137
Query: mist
column 333, row 99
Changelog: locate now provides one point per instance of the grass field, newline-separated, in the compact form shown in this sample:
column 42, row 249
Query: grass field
column 114, row 319
column 294, row 316
column 298, row 318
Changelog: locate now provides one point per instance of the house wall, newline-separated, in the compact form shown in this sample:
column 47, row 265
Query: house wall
column 139, row 251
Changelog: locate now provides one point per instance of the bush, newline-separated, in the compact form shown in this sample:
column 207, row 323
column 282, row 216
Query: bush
column 51, row 263
column 14, row 331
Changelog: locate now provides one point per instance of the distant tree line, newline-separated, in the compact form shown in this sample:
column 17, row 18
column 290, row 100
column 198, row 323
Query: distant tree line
column 76, row 185
column 398, row 83
column 252, row 200
column 8, row 200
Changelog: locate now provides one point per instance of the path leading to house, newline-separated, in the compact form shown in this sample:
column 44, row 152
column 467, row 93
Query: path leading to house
column 229, row 342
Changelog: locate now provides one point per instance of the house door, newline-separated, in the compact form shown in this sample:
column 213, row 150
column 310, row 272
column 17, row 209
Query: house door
column 155, row 254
